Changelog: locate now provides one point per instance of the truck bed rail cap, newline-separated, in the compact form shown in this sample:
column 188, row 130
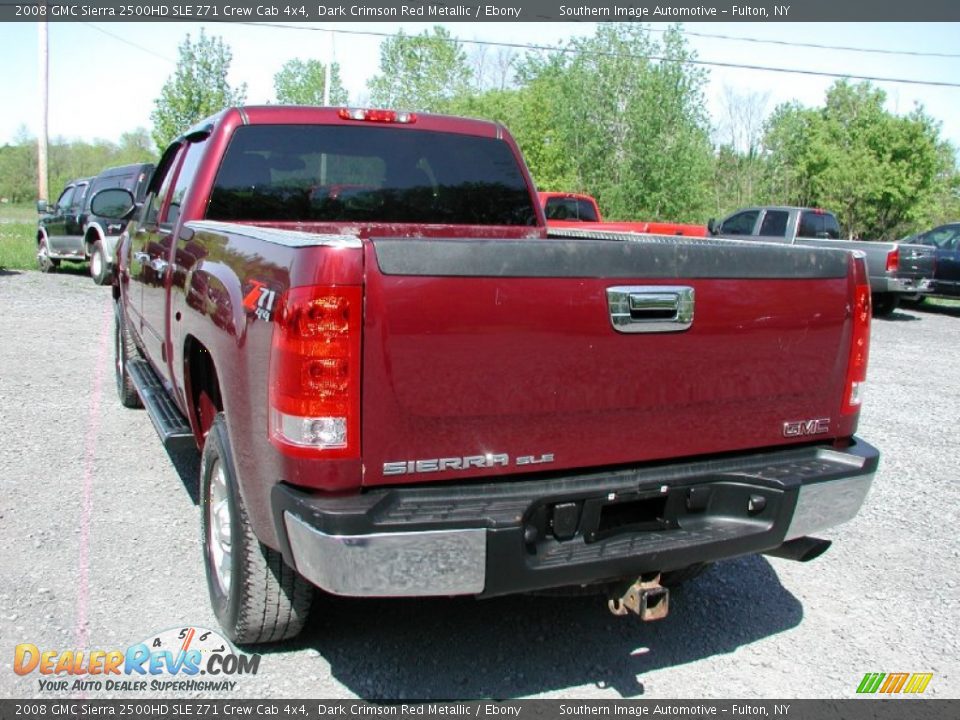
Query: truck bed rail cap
column 289, row 238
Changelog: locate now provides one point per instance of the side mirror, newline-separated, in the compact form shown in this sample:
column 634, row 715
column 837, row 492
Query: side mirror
column 712, row 226
column 114, row 203
column 41, row 206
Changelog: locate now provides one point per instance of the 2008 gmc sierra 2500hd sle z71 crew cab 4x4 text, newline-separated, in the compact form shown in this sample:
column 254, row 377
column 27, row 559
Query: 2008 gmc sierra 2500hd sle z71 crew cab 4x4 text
column 400, row 386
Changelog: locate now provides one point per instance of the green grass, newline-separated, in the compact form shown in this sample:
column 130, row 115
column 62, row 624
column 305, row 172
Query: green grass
column 18, row 213
column 944, row 302
column 18, row 247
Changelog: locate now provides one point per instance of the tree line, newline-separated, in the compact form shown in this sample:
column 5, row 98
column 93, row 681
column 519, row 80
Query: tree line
column 621, row 115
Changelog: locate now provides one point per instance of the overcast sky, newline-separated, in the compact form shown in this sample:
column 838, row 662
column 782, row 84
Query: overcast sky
column 105, row 77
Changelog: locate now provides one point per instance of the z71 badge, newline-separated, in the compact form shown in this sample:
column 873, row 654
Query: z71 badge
column 260, row 300
column 467, row 462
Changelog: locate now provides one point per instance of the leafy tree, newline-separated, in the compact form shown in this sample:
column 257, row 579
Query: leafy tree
column 301, row 82
column 423, row 72
column 67, row 160
column 629, row 129
column 18, row 168
column 878, row 171
column 197, row 88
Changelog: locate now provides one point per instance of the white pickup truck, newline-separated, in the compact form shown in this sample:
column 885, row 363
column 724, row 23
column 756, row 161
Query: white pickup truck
column 896, row 269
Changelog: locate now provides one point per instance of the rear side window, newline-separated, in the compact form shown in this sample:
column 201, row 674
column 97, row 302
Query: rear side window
column 558, row 208
column 76, row 205
column 740, row 224
column 818, row 224
column 331, row 173
column 774, row 223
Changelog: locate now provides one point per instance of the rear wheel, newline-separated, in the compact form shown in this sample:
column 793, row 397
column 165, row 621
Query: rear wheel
column 255, row 595
column 99, row 269
column 44, row 261
column 885, row 303
column 122, row 346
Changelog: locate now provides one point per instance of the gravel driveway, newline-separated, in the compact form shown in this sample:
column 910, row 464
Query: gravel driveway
column 100, row 549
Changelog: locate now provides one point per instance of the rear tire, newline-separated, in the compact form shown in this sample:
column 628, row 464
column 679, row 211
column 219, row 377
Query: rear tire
column 122, row 345
column 256, row 596
column 99, row 268
column 884, row 304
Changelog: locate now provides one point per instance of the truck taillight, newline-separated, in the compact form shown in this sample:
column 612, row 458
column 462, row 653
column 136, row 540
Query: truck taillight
column 859, row 341
column 315, row 372
column 893, row 260
column 375, row 115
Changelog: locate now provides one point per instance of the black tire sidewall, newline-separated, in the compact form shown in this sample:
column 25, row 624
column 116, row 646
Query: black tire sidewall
column 226, row 606
column 129, row 397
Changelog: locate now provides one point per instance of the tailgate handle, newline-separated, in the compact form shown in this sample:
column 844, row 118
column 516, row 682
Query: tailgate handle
column 650, row 308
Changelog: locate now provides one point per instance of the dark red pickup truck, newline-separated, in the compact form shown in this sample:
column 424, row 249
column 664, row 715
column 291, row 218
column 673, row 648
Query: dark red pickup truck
column 402, row 387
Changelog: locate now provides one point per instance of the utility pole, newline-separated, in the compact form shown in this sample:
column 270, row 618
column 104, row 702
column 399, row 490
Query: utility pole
column 326, row 74
column 42, row 135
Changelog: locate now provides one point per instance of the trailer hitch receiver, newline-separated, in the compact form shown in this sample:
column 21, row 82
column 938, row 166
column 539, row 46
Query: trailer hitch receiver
column 645, row 597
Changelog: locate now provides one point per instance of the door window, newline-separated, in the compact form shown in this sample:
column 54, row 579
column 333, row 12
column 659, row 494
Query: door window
column 740, row 224
column 944, row 237
column 66, row 197
column 185, row 175
column 774, row 223
column 160, row 185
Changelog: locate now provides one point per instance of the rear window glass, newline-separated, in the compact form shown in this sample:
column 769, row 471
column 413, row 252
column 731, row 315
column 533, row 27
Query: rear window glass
column 369, row 174
column 814, row 224
column 570, row 209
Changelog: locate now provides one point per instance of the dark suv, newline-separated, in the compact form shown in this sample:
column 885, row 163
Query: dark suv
column 68, row 231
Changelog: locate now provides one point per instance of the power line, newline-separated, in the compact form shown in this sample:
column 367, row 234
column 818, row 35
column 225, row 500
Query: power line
column 131, row 44
column 791, row 43
column 706, row 63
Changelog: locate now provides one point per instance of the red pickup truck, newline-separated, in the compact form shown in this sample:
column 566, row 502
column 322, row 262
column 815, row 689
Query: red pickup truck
column 575, row 210
column 400, row 386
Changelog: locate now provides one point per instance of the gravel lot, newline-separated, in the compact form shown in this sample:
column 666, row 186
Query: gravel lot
column 100, row 538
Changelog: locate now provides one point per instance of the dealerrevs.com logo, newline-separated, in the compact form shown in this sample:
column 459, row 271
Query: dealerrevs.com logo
column 894, row 683
column 177, row 660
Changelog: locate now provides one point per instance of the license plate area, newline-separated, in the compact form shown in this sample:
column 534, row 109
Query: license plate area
column 628, row 513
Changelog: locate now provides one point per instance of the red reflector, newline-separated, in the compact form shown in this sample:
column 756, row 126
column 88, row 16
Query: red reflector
column 859, row 340
column 374, row 115
column 315, row 372
column 893, row 260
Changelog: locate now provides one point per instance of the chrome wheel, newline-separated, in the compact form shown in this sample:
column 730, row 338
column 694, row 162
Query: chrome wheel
column 219, row 541
column 43, row 257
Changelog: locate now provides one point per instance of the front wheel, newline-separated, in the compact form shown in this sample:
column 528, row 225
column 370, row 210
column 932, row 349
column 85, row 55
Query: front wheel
column 122, row 346
column 99, row 268
column 255, row 595
column 45, row 263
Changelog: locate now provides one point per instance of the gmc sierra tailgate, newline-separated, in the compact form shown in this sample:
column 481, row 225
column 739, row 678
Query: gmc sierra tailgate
column 916, row 262
column 504, row 357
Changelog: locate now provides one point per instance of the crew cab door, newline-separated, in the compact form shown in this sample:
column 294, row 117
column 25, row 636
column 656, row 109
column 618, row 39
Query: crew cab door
column 151, row 240
column 74, row 220
column 56, row 222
